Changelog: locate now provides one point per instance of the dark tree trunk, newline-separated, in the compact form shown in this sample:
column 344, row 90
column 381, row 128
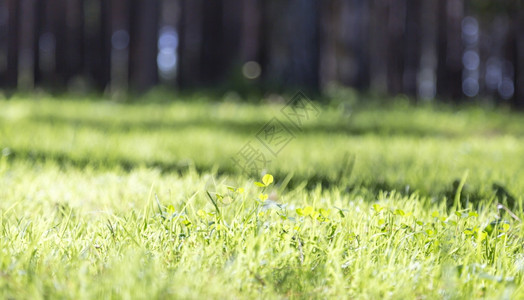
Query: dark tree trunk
column 232, row 28
column 330, row 40
column 396, row 41
column 45, row 66
column 251, row 31
column 97, row 42
column 293, row 53
column 305, row 52
column 4, row 28
column 38, row 30
column 11, row 74
column 450, row 49
column 144, row 37
column 59, row 30
column 213, row 50
column 26, row 45
column 346, row 26
column 74, row 36
column 518, row 60
column 361, row 43
column 190, row 45
column 426, row 77
column 119, row 20
column 412, row 47
column 57, row 12
column 379, row 46
column 210, row 41
column 442, row 84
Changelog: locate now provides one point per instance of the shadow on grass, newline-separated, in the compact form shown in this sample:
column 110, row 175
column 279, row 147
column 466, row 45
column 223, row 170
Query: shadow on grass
column 244, row 127
column 339, row 179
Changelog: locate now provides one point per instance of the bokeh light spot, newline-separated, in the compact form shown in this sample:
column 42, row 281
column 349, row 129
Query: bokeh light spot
column 251, row 70
column 470, row 87
column 120, row 39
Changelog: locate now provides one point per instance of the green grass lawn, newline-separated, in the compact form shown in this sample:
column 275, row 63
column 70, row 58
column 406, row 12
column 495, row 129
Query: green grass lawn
column 141, row 200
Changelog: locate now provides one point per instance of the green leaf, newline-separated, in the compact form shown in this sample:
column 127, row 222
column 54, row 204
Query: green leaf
column 260, row 184
column 308, row 210
column 377, row 207
column 201, row 214
column 341, row 212
column 324, row 213
column 170, row 209
column 399, row 212
column 482, row 235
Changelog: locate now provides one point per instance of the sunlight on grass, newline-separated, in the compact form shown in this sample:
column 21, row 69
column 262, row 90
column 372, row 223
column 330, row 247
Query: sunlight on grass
column 100, row 199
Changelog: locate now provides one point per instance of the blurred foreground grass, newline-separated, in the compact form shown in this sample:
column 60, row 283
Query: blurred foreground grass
column 106, row 199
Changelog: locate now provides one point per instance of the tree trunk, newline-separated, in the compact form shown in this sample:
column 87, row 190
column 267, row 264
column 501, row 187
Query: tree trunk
column 379, row 46
column 347, row 39
column 232, row 28
column 57, row 14
column 190, row 37
column 450, row 49
column 518, row 61
column 38, row 31
column 426, row 77
column 119, row 46
column 144, row 40
column 330, row 33
column 251, row 31
column 304, row 44
column 74, row 35
column 97, row 42
column 4, row 19
column 396, row 41
column 26, row 45
column 293, row 43
column 11, row 72
column 412, row 47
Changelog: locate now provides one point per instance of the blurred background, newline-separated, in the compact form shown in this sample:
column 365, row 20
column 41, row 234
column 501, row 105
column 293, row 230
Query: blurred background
column 446, row 49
